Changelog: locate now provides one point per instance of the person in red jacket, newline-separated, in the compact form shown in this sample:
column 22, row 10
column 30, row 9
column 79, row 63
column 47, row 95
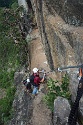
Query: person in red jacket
column 37, row 80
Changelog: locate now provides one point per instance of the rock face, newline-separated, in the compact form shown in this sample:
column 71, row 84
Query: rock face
column 65, row 41
column 69, row 10
column 60, row 27
column 24, row 4
column 61, row 111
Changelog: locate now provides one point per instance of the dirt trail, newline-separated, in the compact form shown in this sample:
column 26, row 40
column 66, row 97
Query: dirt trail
column 38, row 58
column 41, row 114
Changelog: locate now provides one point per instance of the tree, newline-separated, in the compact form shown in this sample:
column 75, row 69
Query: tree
column 6, row 3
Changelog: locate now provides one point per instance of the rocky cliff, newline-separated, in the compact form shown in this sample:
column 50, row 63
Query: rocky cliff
column 64, row 39
column 60, row 24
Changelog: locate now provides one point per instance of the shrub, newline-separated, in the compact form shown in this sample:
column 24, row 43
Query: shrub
column 55, row 90
column 6, row 79
column 6, row 104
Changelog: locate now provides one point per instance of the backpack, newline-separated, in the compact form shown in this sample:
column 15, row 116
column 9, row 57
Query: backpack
column 27, row 84
column 31, row 78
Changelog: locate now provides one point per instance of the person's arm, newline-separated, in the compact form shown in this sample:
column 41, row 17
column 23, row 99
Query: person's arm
column 42, row 80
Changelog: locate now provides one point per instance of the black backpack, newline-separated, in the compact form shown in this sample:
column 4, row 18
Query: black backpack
column 32, row 79
column 27, row 84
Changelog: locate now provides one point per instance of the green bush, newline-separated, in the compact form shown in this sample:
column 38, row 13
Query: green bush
column 12, row 56
column 6, row 104
column 49, row 100
column 55, row 90
column 65, row 82
column 6, row 79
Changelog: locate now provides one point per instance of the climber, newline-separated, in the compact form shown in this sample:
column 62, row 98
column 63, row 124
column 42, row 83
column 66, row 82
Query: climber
column 27, row 85
column 35, row 80
column 73, row 116
column 80, row 74
column 80, row 85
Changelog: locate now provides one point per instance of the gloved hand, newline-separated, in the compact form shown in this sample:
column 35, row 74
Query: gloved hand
column 43, row 71
column 44, row 75
column 79, row 77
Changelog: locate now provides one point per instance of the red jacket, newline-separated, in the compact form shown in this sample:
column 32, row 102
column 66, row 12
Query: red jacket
column 37, row 79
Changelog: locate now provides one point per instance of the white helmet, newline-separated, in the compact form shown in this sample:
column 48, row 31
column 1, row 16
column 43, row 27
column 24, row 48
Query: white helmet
column 35, row 70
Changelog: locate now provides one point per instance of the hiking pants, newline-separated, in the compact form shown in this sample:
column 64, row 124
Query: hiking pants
column 35, row 90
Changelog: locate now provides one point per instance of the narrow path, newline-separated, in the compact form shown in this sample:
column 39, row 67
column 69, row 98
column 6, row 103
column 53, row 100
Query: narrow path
column 41, row 114
column 38, row 58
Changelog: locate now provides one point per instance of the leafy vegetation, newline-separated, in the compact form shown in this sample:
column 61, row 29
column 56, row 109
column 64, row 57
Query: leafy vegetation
column 6, row 104
column 6, row 3
column 54, row 90
column 13, row 52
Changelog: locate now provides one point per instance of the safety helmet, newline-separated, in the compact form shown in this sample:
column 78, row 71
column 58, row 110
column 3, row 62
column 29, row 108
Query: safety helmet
column 35, row 70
